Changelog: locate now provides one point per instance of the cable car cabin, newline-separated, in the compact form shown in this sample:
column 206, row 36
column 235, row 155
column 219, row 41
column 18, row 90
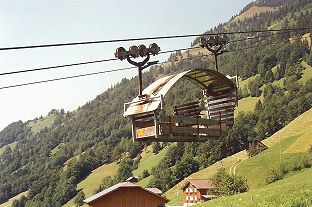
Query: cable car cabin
column 186, row 124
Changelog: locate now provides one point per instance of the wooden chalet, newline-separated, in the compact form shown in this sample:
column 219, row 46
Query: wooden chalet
column 127, row 194
column 255, row 148
column 197, row 191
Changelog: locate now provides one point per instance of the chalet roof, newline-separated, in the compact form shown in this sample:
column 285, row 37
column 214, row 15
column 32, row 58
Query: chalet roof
column 199, row 183
column 154, row 190
column 117, row 186
column 211, row 80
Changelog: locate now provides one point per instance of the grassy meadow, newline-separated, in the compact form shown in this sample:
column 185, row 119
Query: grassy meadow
column 296, row 135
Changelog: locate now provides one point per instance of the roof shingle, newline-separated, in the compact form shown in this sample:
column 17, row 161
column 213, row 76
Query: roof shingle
column 199, row 184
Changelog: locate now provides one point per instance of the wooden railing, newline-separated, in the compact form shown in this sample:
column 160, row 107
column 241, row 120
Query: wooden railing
column 166, row 128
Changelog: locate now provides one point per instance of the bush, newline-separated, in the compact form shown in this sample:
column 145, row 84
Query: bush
column 306, row 162
column 273, row 176
column 185, row 167
column 229, row 184
column 106, row 183
column 79, row 198
column 297, row 166
column 145, row 174
column 156, row 147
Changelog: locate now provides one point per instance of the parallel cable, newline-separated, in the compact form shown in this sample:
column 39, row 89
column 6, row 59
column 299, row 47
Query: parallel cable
column 64, row 78
column 57, row 66
column 258, row 36
column 252, row 47
column 87, row 74
column 81, row 63
column 113, row 59
column 256, row 46
column 171, row 51
column 147, row 38
column 128, row 68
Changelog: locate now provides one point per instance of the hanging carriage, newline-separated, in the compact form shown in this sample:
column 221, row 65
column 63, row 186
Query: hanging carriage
column 186, row 124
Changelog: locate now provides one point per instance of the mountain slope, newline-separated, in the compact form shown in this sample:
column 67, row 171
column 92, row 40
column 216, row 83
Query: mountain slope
column 10, row 201
column 294, row 190
column 92, row 182
column 97, row 134
column 253, row 11
column 259, row 165
column 249, row 103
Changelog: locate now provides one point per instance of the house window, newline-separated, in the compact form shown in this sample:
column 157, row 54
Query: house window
column 195, row 198
column 191, row 198
column 195, row 190
column 191, row 190
column 187, row 198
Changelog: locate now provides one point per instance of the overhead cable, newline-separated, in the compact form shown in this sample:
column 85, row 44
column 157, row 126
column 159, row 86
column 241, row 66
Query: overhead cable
column 146, row 38
column 113, row 59
column 87, row 74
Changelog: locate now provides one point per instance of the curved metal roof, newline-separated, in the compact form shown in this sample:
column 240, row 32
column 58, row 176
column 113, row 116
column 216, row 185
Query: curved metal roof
column 214, row 82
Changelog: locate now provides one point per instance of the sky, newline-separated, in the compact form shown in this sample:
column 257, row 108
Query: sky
column 35, row 22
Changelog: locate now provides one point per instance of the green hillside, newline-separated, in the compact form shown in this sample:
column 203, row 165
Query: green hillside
column 253, row 11
column 12, row 145
column 249, row 103
column 306, row 73
column 92, row 182
column 290, row 18
column 10, row 201
column 296, row 135
column 40, row 124
column 149, row 160
column 294, row 190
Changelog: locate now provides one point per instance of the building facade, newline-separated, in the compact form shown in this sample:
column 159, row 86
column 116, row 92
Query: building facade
column 197, row 191
column 127, row 195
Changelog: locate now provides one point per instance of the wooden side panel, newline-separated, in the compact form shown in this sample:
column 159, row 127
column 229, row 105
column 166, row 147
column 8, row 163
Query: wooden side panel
column 188, row 120
column 129, row 197
column 145, row 132
column 190, row 131
column 222, row 107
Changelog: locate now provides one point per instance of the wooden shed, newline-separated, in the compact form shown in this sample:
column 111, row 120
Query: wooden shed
column 126, row 194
